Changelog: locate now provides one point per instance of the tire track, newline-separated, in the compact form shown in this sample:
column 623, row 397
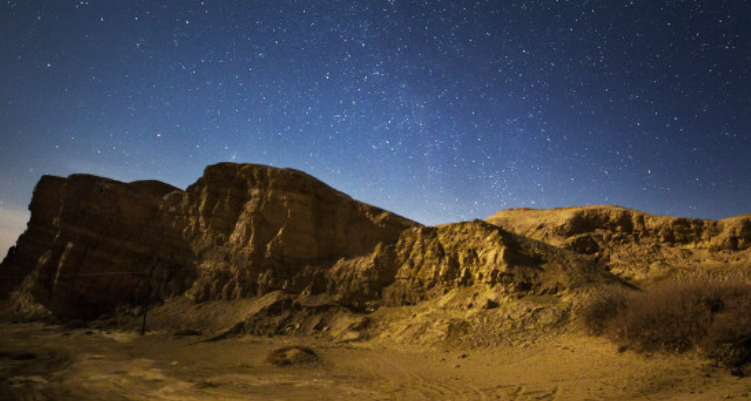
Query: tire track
column 523, row 393
column 403, row 384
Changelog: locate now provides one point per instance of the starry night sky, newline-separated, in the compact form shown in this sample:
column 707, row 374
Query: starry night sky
column 438, row 110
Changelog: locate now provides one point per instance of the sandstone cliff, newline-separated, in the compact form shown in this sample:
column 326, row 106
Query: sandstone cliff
column 245, row 231
column 257, row 229
column 431, row 261
column 94, row 244
column 39, row 234
column 634, row 244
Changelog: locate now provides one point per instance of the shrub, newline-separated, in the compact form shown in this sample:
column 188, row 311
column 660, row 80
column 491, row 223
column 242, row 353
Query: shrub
column 728, row 340
column 605, row 306
column 712, row 317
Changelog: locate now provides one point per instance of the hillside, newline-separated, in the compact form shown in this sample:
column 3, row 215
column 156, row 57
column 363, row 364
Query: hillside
column 638, row 246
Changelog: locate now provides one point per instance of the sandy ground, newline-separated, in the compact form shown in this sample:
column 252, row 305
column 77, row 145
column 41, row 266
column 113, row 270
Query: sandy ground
column 43, row 362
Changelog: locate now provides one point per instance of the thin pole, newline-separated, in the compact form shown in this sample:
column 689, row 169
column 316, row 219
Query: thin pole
column 146, row 302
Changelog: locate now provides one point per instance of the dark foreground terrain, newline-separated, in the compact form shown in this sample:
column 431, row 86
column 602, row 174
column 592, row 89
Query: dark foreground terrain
column 48, row 362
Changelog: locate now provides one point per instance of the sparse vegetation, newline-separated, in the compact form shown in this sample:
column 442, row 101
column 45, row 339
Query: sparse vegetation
column 712, row 317
column 604, row 307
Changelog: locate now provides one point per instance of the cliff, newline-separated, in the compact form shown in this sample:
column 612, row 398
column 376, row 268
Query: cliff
column 39, row 234
column 94, row 244
column 97, row 246
column 636, row 245
column 257, row 229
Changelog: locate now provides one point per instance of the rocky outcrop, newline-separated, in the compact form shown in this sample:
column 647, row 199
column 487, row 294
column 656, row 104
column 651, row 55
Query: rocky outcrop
column 634, row 244
column 245, row 231
column 563, row 226
column 430, row 261
column 477, row 253
column 95, row 243
column 257, row 229
column 39, row 235
column 240, row 231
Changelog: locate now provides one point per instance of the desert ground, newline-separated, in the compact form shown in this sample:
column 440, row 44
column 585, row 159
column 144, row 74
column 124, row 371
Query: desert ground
column 42, row 361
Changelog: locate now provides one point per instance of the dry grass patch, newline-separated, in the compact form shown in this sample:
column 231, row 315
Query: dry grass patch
column 712, row 317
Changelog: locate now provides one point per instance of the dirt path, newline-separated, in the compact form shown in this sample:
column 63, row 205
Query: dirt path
column 47, row 363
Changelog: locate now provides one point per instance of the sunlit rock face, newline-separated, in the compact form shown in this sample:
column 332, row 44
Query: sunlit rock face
column 477, row 253
column 634, row 244
column 256, row 229
column 430, row 261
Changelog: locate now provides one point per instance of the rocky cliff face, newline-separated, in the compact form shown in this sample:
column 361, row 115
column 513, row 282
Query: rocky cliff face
column 93, row 243
column 633, row 244
column 240, row 231
column 40, row 232
column 257, row 229
column 431, row 261
column 244, row 231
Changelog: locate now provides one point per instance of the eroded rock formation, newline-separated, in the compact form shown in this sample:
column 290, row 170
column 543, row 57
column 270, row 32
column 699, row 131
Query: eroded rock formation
column 634, row 244
column 245, row 231
column 38, row 237
column 430, row 261
column 240, row 231
column 257, row 229
column 93, row 243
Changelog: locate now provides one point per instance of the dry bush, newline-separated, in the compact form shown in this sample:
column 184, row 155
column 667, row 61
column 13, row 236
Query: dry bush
column 604, row 307
column 729, row 339
column 712, row 317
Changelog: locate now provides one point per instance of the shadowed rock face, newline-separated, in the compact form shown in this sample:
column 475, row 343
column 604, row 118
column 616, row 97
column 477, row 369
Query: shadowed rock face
column 39, row 234
column 92, row 243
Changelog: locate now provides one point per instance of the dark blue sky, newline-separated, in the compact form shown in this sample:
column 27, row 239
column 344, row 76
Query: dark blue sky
column 437, row 110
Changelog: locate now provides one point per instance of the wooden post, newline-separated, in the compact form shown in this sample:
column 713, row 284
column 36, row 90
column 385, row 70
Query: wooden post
column 147, row 301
